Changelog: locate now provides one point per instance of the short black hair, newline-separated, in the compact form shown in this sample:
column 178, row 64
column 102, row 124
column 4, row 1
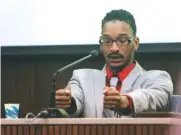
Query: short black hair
column 121, row 15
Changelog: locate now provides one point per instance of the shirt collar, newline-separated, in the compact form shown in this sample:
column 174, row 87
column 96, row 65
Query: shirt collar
column 122, row 74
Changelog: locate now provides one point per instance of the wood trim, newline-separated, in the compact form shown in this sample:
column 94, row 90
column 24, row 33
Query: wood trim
column 83, row 49
column 84, row 121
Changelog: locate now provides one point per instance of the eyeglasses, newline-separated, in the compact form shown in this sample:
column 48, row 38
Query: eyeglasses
column 120, row 41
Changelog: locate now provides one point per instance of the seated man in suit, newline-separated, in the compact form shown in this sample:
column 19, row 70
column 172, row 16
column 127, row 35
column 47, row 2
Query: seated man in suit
column 122, row 87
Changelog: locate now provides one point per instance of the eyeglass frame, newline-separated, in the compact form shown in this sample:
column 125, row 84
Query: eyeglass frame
column 110, row 45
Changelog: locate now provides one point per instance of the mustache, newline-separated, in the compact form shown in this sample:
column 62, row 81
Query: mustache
column 115, row 56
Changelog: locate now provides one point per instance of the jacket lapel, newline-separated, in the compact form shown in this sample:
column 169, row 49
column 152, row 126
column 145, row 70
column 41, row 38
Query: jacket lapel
column 100, row 83
column 128, row 83
column 106, row 112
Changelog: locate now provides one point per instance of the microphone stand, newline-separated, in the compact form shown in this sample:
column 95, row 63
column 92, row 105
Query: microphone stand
column 52, row 103
column 54, row 112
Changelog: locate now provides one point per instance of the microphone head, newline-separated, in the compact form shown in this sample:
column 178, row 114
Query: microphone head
column 94, row 53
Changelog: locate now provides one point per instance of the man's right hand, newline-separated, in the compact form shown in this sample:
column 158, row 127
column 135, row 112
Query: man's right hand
column 63, row 98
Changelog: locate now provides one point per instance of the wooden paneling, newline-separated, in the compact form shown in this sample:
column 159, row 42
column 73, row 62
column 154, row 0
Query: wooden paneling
column 113, row 129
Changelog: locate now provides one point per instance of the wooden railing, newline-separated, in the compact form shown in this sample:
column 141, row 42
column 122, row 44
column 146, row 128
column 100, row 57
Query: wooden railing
column 92, row 126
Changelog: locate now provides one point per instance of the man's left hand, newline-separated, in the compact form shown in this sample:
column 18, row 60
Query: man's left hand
column 114, row 100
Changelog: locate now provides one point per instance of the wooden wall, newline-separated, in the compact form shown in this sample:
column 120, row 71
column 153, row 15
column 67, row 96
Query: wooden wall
column 26, row 79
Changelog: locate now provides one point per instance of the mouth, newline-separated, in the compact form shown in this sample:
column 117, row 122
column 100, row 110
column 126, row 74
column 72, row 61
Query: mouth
column 115, row 59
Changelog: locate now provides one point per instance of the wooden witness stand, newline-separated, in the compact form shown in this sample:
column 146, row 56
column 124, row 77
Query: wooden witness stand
column 141, row 124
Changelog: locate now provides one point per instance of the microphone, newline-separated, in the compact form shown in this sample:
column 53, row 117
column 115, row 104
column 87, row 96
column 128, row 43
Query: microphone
column 91, row 54
column 54, row 112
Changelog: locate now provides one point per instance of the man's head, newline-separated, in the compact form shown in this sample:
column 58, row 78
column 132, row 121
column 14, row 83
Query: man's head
column 118, row 38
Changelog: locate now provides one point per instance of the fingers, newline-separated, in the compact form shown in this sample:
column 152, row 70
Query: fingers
column 113, row 102
column 63, row 98
column 63, row 106
column 110, row 102
column 109, row 106
column 63, row 95
column 106, row 89
column 112, row 98
column 63, row 92
column 63, row 103
column 110, row 91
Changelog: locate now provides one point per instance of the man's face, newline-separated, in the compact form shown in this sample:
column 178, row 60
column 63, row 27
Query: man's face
column 119, row 53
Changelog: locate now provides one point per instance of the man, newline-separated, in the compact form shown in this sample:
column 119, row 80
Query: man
column 123, row 87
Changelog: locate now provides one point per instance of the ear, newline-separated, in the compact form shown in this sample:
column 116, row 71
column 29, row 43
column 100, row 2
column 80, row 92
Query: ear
column 100, row 48
column 136, row 43
column 100, row 44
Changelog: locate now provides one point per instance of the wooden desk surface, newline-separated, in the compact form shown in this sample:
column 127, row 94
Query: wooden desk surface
column 80, row 121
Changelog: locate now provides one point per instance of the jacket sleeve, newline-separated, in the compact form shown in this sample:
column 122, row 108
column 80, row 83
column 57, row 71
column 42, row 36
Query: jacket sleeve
column 154, row 94
column 77, row 94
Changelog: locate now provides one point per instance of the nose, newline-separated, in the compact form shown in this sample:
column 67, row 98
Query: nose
column 114, row 47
